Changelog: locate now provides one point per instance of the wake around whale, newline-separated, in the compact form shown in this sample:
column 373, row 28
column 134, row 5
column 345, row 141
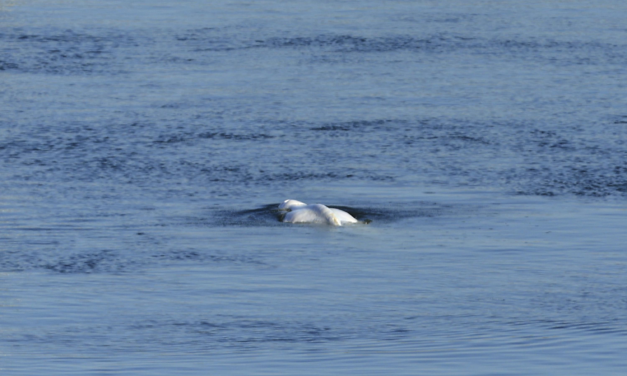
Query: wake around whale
column 299, row 212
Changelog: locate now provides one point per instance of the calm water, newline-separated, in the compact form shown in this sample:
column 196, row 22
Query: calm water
column 145, row 145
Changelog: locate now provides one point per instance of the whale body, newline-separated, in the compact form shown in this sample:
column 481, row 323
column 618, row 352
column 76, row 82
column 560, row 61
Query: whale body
column 299, row 212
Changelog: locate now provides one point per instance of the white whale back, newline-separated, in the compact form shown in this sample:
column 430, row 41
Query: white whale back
column 291, row 204
column 299, row 212
column 315, row 213
column 343, row 216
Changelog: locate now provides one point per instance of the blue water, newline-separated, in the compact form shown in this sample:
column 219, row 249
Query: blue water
column 144, row 147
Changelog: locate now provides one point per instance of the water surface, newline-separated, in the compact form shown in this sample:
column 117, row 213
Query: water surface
column 143, row 148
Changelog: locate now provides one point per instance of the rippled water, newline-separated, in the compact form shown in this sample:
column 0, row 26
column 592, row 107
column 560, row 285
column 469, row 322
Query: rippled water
column 145, row 146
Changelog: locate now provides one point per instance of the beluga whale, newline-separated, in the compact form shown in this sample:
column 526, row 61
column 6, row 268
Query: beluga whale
column 299, row 212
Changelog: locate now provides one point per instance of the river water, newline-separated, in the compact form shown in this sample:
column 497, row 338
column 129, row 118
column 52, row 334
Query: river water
column 145, row 145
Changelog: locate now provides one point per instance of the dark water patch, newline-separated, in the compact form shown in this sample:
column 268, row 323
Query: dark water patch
column 396, row 212
column 13, row 261
column 296, row 176
column 203, row 256
column 175, row 138
column 267, row 215
column 345, row 128
column 234, row 332
column 215, row 39
column 620, row 119
column 232, row 136
column 615, row 326
column 250, row 332
column 231, row 39
column 554, row 160
column 363, row 125
column 560, row 52
column 62, row 52
column 197, row 34
column 210, row 333
column 550, row 139
column 469, row 139
column 128, row 261
column 351, row 43
column 551, row 51
column 594, row 180
column 105, row 261
column 7, row 65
